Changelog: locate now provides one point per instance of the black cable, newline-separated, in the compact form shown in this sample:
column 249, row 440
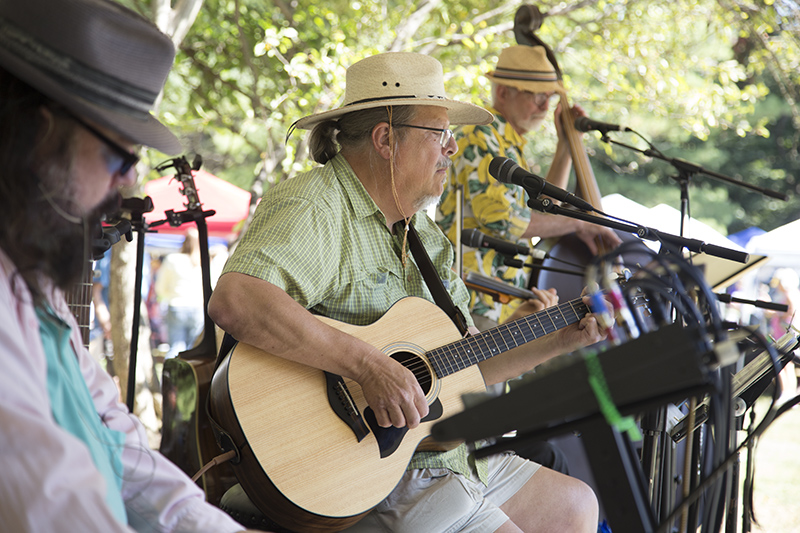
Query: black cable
column 771, row 415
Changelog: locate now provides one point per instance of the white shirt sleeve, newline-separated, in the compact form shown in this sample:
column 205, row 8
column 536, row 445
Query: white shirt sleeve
column 48, row 480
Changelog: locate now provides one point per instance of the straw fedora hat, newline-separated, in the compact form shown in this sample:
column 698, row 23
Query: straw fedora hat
column 99, row 60
column 398, row 78
column 525, row 68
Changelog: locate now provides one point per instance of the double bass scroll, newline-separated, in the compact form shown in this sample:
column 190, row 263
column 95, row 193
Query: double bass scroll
column 527, row 20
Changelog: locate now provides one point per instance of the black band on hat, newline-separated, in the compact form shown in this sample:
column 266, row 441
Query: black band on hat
column 525, row 75
column 379, row 98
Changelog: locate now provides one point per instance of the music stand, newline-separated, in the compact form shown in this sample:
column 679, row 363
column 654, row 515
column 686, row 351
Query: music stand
column 666, row 365
column 722, row 273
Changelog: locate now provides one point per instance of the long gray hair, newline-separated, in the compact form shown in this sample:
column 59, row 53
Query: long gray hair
column 352, row 129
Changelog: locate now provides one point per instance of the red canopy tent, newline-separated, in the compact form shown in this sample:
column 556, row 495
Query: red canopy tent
column 229, row 201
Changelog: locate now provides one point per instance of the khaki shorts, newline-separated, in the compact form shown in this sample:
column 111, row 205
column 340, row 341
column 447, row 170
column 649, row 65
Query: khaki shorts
column 436, row 500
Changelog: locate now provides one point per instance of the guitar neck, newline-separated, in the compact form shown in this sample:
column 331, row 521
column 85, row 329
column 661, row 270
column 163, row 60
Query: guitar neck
column 79, row 301
column 472, row 350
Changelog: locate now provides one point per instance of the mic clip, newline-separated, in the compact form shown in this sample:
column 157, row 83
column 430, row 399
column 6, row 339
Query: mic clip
column 538, row 203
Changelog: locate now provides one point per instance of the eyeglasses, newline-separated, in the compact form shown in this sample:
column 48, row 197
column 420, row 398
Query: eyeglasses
column 121, row 160
column 444, row 137
column 541, row 98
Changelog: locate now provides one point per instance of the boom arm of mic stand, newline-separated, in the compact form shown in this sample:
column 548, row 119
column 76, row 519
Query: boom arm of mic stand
column 694, row 245
column 687, row 166
column 179, row 218
column 517, row 263
column 727, row 298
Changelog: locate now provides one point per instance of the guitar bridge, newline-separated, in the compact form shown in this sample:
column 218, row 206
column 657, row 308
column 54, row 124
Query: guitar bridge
column 343, row 405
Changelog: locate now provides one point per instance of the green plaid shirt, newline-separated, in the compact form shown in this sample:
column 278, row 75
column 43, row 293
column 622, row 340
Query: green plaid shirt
column 494, row 208
column 322, row 239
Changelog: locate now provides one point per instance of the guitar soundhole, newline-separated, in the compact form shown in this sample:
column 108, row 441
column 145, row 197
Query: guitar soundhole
column 418, row 366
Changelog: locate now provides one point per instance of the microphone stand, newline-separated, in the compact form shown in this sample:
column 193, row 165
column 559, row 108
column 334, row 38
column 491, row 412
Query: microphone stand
column 518, row 263
column 686, row 169
column 657, row 457
column 643, row 232
column 137, row 207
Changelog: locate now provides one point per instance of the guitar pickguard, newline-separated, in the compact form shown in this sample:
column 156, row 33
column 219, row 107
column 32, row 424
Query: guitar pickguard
column 389, row 439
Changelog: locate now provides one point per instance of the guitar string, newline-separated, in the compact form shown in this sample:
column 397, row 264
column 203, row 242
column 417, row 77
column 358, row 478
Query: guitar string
column 559, row 317
column 529, row 328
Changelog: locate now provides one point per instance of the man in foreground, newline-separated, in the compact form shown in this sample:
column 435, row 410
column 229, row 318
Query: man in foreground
column 333, row 242
column 77, row 81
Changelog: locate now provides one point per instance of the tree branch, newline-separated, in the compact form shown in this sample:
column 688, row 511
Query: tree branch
column 412, row 23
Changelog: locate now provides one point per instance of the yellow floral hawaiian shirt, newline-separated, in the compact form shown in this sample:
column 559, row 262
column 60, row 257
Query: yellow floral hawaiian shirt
column 494, row 208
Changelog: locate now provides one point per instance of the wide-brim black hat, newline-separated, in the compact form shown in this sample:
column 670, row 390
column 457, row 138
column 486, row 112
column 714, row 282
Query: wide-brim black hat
column 98, row 59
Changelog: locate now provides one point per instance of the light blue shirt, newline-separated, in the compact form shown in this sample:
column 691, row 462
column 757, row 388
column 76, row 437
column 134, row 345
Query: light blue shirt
column 73, row 409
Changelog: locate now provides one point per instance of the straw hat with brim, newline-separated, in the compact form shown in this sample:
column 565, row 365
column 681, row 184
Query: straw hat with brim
column 525, row 68
column 98, row 59
column 398, row 78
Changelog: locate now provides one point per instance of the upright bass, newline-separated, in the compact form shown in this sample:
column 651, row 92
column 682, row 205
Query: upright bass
column 568, row 248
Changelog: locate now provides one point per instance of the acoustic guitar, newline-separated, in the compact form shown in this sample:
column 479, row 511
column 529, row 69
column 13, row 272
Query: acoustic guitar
column 310, row 454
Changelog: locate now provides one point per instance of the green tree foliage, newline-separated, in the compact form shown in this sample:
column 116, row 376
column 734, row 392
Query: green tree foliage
column 712, row 82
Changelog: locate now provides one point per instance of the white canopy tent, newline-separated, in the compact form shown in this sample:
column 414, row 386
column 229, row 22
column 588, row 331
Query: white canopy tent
column 780, row 245
column 665, row 218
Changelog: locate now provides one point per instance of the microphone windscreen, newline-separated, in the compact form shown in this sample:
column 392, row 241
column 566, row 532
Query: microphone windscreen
column 582, row 124
column 471, row 237
column 494, row 167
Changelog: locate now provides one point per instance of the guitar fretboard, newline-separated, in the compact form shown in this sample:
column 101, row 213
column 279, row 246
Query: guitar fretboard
column 472, row 350
column 79, row 300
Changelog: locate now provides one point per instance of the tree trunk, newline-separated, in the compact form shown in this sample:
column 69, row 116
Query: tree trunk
column 147, row 400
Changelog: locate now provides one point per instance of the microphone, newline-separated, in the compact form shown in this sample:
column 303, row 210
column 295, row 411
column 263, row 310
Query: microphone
column 505, row 170
column 476, row 239
column 586, row 124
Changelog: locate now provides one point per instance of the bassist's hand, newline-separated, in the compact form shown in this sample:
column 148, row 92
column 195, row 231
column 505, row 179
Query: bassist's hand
column 544, row 299
column 577, row 111
column 592, row 235
column 393, row 393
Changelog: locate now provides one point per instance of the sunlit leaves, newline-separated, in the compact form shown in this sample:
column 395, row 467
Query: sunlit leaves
column 680, row 71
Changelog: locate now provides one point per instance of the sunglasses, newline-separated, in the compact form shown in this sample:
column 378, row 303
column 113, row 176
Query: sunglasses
column 444, row 137
column 120, row 160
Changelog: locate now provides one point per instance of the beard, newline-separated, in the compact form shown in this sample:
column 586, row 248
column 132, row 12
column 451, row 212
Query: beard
column 532, row 123
column 431, row 200
column 426, row 202
column 61, row 239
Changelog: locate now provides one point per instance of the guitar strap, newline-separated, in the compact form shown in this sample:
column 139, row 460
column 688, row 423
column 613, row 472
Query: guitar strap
column 432, row 279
